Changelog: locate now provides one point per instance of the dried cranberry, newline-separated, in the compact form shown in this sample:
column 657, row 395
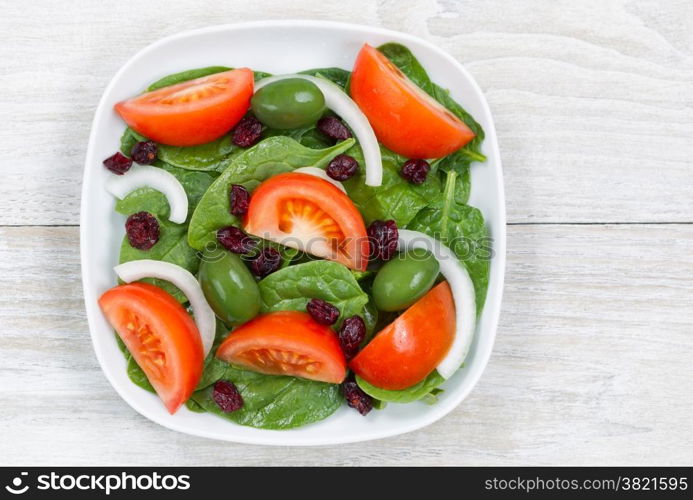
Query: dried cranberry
column 322, row 312
column 342, row 167
column 118, row 163
column 351, row 334
column 356, row 398
column 333, row 128
column 144, row 152
column 266, row 262
column 247, row 132
column 415, row 171
column 235, row 240
column 143, row 230
column 226, row 396
column 239, row 197
column 383, row 236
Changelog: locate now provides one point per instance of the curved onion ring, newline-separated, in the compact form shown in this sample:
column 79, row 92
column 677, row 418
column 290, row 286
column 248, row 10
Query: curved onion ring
column 156, row 178
column 462, row 293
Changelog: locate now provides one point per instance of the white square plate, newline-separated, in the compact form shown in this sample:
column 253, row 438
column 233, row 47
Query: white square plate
column 278, row 47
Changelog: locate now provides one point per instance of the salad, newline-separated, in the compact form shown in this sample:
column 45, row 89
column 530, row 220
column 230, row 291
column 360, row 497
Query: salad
column 296, row 242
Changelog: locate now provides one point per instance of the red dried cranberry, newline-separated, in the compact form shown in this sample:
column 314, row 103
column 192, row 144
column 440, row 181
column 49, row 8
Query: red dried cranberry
column 144, row 152
column 382, row 236
column 247, row 132
column 118, row 163
column 333, row 128
column 322, row 312
column 266, row 262
column 415, row 171
column 356, row 398
column 342, row 167
column 235, row 240
column 239, row 198
column 226, row 396
column 143, row 230
column 351, row 334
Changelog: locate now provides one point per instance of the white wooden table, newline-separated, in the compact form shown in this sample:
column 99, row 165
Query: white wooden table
column 593, row 101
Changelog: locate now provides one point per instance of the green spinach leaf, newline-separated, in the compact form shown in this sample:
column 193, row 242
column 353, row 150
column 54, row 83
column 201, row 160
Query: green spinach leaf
column 137, row 375
column 413, row 393
column 291, row 288
column 309, row 137
column 396, row 198
column 269, row 157
column 184, row 76
column 212, row 157
column 191, row 74
column 274, row 402
column 462, row 228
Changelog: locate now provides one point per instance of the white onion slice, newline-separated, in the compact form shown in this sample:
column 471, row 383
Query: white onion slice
column 339, row 102
column 156, row 178
column 462, row 293
column 318, row 172
column 183, row 279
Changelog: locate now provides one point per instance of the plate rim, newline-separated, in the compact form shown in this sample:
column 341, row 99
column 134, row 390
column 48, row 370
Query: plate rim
column 274, row 437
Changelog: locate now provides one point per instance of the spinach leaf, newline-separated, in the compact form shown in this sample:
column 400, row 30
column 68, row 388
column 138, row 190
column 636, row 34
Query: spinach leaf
column 274, row 402
column 338, row 76
column 137, row 375
column 184, row 76
column 213, row 156
column 309, row 137
column 133, row 370
column 402, row 57
column 396, row 198
column 291, row 288
column 191, row 74
column 269, row 157
column 413, row 393
column 462, row 228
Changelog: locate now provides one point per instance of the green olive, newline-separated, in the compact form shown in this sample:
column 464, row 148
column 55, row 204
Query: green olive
column 404, row 279
column 289, row 103
column 229, row 287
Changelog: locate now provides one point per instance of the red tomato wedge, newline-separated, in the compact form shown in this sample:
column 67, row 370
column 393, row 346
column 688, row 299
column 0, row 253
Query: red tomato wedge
column 409, row 348
column 286, row 343
column 404, row 118
column 305, row 212
column 160, row 335
column 193, row 112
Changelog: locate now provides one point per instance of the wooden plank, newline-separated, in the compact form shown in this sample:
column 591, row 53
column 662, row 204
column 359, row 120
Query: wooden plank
column 592, row 100
column 591, row 366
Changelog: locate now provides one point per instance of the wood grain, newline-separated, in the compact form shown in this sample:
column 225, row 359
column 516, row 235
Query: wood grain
column 591, row 365
column 593, row 100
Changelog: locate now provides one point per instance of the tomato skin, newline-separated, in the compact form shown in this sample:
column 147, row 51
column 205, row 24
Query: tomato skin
column 409, row 348
column 171, row 355
column 305, row 212
column 404, row 118
column 193, row 112
column 289, row 343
